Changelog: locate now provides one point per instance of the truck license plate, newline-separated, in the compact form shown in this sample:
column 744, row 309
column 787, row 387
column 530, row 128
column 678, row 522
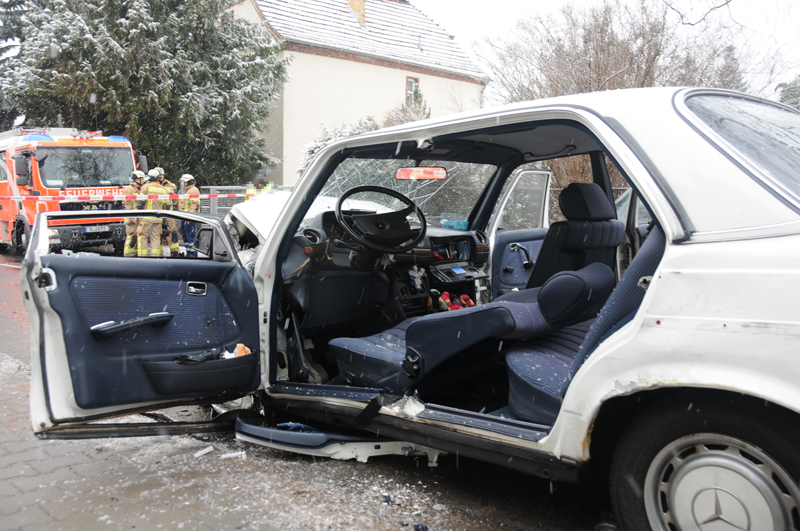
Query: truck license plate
column 96, row 228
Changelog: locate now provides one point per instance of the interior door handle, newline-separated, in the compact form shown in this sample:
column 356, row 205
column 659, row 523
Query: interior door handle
column 196, row 288
column 110, row 328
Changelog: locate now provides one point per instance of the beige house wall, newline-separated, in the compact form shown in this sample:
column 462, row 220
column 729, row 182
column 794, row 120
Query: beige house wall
column 326, row 91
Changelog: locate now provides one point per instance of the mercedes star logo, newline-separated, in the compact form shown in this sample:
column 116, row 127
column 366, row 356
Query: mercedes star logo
column 717, row 509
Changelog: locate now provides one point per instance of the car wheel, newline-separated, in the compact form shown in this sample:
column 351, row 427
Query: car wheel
column 708, row 464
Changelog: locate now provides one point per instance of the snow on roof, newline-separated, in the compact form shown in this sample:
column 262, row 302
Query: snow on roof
column 394, row 30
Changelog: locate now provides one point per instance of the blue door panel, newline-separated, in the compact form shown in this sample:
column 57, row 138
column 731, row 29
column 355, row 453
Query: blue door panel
column 508, row 271
column 139, row 365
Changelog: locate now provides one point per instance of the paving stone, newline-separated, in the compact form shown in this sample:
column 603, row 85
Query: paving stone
column 34, row 481
column 70, row 461
column 32, row 516
column 17, row 470
column 11, row 504
column 35, row 455
column 7, row 489
column 16, row 447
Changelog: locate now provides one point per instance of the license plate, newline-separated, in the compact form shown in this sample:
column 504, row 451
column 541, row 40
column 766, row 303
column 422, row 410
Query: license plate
column 96, row 228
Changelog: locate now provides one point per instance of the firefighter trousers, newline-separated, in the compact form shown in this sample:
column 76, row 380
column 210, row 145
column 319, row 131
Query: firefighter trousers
column 172, row 236
column 149, row 237
column 131, row 230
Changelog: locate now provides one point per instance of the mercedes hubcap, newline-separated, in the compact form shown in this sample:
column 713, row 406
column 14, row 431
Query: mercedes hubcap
column 712, row 482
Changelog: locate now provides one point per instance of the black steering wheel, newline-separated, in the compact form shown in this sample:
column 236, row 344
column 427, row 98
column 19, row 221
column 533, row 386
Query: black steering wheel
column 386, row 232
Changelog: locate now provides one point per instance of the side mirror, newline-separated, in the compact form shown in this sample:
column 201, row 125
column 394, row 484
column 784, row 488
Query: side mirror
column 21, row 167
column 204, row 241
column 141, row 162
column 22, row 181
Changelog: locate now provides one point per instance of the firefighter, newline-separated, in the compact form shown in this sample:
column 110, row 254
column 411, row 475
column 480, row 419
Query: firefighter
column 131, row 224
column 149, row 228
column 259, row 186
column 188, row 228
column 171, row 236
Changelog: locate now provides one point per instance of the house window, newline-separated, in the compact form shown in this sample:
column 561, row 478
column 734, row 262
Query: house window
column 412, row 84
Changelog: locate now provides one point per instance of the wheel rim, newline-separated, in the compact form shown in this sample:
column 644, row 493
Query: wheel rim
column 712, row 482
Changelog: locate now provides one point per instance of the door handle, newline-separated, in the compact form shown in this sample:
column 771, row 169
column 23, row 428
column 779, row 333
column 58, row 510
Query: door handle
column 110, row 328
column 196, row 288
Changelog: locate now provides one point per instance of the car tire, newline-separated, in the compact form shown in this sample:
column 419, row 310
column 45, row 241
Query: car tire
column 688, row 462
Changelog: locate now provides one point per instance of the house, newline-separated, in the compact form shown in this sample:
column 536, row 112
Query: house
column 353, row 59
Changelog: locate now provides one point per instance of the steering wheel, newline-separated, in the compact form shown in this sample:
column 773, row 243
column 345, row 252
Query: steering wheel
column 382, row 233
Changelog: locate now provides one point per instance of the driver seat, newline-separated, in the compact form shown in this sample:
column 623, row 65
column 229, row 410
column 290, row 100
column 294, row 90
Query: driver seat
column 397, row 359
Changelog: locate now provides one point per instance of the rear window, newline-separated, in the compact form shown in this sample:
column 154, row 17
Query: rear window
column 768, row 135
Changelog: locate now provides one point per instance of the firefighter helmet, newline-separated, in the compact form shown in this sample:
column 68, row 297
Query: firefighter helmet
column 136, row 174
column 153, row 175
column 159, row 169
column 187, row 179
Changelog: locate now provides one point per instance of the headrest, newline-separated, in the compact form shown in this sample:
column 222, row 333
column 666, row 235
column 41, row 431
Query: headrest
column 568, row 295
column 585, row 202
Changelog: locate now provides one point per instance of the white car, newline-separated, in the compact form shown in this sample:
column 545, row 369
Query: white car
column 659, row 355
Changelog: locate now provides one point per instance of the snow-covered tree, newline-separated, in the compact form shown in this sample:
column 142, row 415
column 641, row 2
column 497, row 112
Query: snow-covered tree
column 11, row 36
column 413, row 110
column 187, row 83
column 789, row 93
column 326, row 136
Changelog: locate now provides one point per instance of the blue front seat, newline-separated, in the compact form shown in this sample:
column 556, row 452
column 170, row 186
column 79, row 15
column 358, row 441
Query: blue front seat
column 590, row 234
column 540, row 370
column 399, row 358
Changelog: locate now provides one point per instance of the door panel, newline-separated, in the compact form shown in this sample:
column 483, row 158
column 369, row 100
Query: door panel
column 212, row 304
column 508, row 265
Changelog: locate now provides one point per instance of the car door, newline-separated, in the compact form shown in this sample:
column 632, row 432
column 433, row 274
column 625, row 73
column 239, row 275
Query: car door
column 111, row 335
column 517, row 230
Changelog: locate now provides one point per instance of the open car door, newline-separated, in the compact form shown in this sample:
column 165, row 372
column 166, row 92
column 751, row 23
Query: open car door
column 113, row 335
column 517, row 230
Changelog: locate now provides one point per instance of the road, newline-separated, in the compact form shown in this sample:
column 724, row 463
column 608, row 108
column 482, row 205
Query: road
column 157, row 483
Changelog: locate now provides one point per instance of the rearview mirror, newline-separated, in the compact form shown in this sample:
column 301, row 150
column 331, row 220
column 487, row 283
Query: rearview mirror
column 421, row 174
column 22, row 181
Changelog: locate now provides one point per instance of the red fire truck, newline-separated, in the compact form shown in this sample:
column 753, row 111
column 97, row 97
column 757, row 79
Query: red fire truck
column 39, row 162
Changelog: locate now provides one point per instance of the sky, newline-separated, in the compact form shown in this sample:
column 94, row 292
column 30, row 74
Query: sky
column 771, row 26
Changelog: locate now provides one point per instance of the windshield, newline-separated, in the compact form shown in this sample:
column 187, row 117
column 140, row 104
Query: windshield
column 82, row 166
column 444, row 202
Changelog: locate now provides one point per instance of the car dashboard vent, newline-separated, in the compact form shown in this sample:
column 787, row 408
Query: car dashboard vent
column 312, row 236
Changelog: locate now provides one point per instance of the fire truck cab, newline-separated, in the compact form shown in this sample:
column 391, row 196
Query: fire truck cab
column 39, row 163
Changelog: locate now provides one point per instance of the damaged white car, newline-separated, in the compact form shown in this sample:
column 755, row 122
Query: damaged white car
column 464, row 285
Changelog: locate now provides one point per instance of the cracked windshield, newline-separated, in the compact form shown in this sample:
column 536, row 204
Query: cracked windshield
column 444, row 202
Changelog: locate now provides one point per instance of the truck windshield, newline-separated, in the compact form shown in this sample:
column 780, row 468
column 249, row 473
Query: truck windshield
column 78, row 167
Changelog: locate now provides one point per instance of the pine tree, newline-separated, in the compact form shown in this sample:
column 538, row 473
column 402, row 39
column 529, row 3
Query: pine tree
column 11, row 37
column 187, row 83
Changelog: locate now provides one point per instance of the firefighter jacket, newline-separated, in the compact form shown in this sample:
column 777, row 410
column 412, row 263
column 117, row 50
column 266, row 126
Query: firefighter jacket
column 190, row 205
column 130, row 204
column 153, row 188
column 171, row 189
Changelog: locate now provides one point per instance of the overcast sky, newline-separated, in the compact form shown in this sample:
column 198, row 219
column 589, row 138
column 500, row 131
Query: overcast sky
column 773, row 26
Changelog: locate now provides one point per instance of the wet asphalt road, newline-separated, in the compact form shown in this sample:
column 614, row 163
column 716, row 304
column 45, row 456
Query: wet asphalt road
column 156, row 483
